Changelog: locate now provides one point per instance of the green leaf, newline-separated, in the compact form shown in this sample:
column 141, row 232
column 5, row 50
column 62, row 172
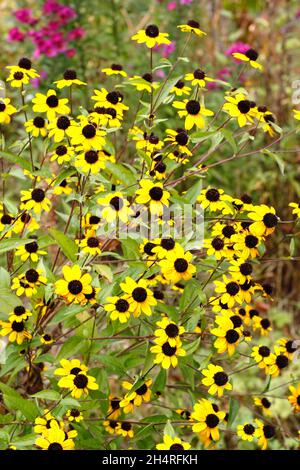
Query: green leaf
column 16, row 159
column 51, row 395
column 169, row 430
column 160, row 382
column 121, row 173
column 14, row 401
column 233, row 410
column 68, row 246
column 163, row 91
column 8, row 301
column 70, row 347
column 228, row 135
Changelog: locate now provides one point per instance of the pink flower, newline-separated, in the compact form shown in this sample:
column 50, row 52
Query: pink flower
column 15, row 34
column 166, row 49
column 71, row 52
column 36, row 81
column 160, row 73
column 76, row 33
column 185, row 2
column 24, row 15
column 171, row 6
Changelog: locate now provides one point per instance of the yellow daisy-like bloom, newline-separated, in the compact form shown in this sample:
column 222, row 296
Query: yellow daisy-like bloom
column 295, row 206
column 246, row 245
column 180, row 88
column 216, row 379
column 198, row 77
column 265, row 220
column 28, row 282
column 191, row 26
column 18, row 79
column 62, row 188
column 250, row 56
column 70, row 78
column 207, row 419
column 217, row 247
column 15, row 330
column 154, row 194
column 228, row 337
column 62, row 154
column 42, row 423
column 74, row 286
column 262, row 355
column 143, row 83
column 125, row 429
column 177, row 266
column 167, row 355
column 262, row 324
column 115, row 207
column 110, row 426
column 78, row 384
column 109, row 99
column 91, row 161
column 36, row 200
column 114, row 409
column 19, row 314
column 7, row 220
column 149, row 143
column 246, row 431
column 193, row 112
column 114, row 69
column 29, row 251
column 59, row 128
column 158, row 168
column 264, row 432
column 74, row 415
column 239, row 107
column 140, row 298
column 294, row 398
column 70, row 367
column 172, row 443
column 6, row 110
column 229, row 290
column 163, row 246
column 118, row 308
column 90, row 243
column 106, row 117
column 214, row 200
column 24, row 66
column 288, row 346
column 168, row 331
column 55, row 439
column 50, row 104
column 296, row 114
column 151, row 36
column 179, row 138
column 264, row 404
column 36, row 127
column 278, row 362
column 86, row 135
column 46, row 339
column 240, row 270
column 136, row 397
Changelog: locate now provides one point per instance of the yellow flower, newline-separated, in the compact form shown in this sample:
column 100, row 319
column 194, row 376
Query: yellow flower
column 42, row 423
column 29, row 251
column 264, row 432
column 216, row 379
column 198, row 77
column 109, row 99
column 50, row 104
column 250, row 56
column 6, row 110
column 78, row 384
column 118, row 308
column 265, row 220
column 28, row 282
column 246, row 431
column 90, row 244
column 115, row 207
column 140, row 298
column 36, row 200
column 62, row 154
column 74, row 285
column 193, row 112
column 167, row 355
column 177, row 266
column 74, row 415
column 151, row 36
column 114, row 69
column 228, row 337
column 46, row 339
column 55, row 439
column 174, row 443
column 18, row 79
column 179, row 138
column 70, row 78
column 19, row 314
column 124, row 429
column 296, row 114
column 143, row 83
column 239, row 107
column 24, row 66
column 168, row 331
column 264, row 404
column 180, row 88
column 136, row 397
column 294, row 398
column 207, row 419
column 86, row 135
column 214, row 200
column 154, row 194
column 262, row 355
column 15, row 330
column 295, row 206
column 59, row 128
column 262, row 324
column 70, row 367
column 191, row 26
column 278, row 362
column 36, row 127
column 91, row 161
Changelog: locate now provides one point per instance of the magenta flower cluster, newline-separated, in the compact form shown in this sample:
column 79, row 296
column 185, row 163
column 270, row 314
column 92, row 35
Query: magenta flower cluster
column 47, row 30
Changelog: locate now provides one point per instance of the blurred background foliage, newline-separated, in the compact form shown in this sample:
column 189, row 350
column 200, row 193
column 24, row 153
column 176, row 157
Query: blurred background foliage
column 271, row 27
